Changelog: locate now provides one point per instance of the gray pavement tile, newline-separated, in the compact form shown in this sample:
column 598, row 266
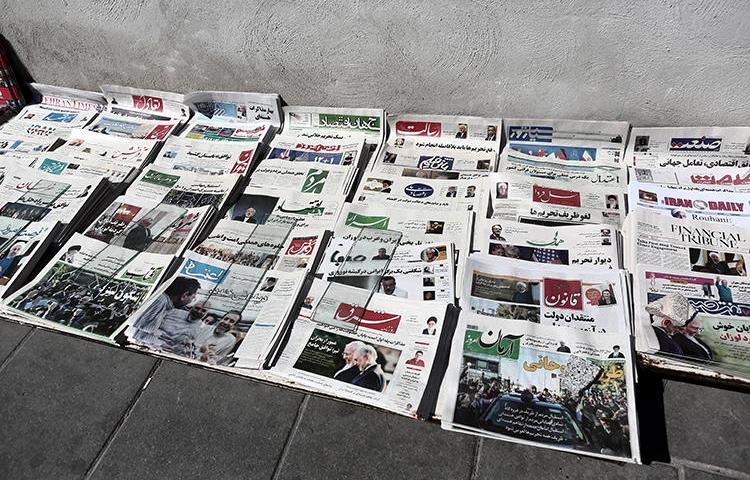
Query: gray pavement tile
column 193, row 423
column 691, row 474
column 522, row 461
column 342, row 441
column 708, row 425
column 60, row 399
column 10, row 334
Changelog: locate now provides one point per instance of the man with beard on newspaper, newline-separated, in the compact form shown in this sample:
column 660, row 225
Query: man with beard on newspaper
column 182, row 326
column 350, row 368
column 218, row 343
column 370, row 374
column 179, row 293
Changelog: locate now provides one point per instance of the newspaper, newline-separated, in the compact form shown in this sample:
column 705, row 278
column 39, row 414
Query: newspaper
column 696, row 317
column 224, row 131
column 21, row 245
column 237, row 107
column 319, row 178
column 121, row 122
column 704, row 147
column 574, row 140
column 67, row 98
column 329, row 151
column 182, row 188
column 516, row 197
column 434, row 163
column 403, row 192
column 674, row 244
column 209, row 308
column 84, row 144
column 594, row 301
column 90, row 288
column 154, row 101
column 385, row 360
column 725, row 179
column 455, row 127
column 417, row 272
column 551, row 387
column 206, row 157
column 84, row 166
column 592, row 246
column 593, row 173
column 444, row 145
column 336, row 123
column 729, row 208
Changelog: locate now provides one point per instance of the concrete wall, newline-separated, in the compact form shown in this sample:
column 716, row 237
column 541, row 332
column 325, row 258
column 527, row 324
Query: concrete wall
column 651, row 62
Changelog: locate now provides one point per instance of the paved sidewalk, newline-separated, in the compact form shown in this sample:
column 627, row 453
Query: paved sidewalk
column 71, row 408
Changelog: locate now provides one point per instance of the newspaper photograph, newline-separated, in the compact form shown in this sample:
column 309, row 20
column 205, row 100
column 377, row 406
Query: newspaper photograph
column 383, row 360
column 525, row 199
column 21, row 244
column 593, row 301
column 591, row 246
column 727, row 208
column 237, row 107
column 545, row 386
column 697, row 317
column 205, row 157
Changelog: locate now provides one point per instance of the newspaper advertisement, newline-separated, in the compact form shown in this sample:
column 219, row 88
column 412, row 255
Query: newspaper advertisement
column 321, row 150
column 462, row 127
column 205, row 157
column 384, row 360
column 237, row 107
column 594, row 301
column 703, row 147
column 417, row 272
column 551, row 387
column 183, row 189
column 698, row 317
column 592, row 246
column 674, row 244
column 525, row 199
column 403, row 192
column 727, row 208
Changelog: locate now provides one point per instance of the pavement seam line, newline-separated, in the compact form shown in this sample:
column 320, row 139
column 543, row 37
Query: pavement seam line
column 476, row 458
column 8, row 358
column 713, row 469
column 289, row 438
column 121, row 422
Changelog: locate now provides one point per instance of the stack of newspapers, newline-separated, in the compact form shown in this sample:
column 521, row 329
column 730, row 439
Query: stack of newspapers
column 686, row 244
column 493, row 274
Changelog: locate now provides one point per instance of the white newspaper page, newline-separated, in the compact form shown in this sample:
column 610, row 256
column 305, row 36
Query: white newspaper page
column 576, row 172
column 217, row 130
column 729, row 208
column 707, row 147
column 406, row 193
column 434, row 163
column 159, row 103
column 384, row 360
column 83, row 166
column 303, row 177
column 593, row 301
column 545, row 386
column 129, row 151
column 183, row 189
column 206, row 157
column 328, row 151
column 725, row 179
column 369, row 122
column 592, row 246
column 527, row 199
column 454, row 127
column 696, row 317
column 237, row 107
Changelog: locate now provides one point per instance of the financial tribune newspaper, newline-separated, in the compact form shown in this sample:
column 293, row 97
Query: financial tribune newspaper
column 698, row 317
column 551, row 387
column 592, row 246
column 384, row 358
column 678, row 244
column 532, row 200
column 702, row 147
column 729, row 208
column 594, row 301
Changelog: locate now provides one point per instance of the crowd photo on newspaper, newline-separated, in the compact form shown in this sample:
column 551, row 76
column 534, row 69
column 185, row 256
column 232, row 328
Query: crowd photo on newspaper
column 500, row 275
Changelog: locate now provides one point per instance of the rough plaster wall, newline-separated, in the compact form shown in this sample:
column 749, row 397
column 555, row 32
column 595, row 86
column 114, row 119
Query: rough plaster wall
column 649, row 62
